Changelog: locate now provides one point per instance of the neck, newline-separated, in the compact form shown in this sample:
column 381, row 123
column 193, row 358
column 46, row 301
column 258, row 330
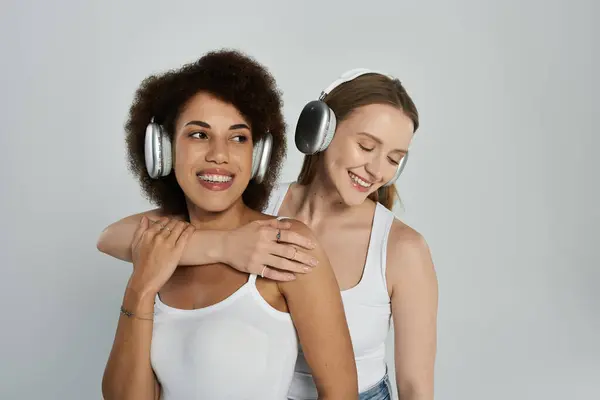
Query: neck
column 231, row 218
column 319, row 200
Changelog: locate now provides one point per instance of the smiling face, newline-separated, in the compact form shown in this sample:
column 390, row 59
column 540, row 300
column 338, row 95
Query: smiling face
column 365, row 152
column 213, row 153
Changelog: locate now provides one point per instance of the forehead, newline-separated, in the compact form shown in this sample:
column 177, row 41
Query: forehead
column 207, row 107
column 386, row 122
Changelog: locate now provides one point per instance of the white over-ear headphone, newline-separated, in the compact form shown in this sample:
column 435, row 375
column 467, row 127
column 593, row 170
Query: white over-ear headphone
column 317, row 122
column 158, row 153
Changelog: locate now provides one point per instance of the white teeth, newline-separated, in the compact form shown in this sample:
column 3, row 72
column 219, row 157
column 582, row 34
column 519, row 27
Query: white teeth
column 215, row 178
column 359, row 181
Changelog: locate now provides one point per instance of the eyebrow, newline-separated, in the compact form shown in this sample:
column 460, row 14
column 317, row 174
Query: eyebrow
column 207, row 125
column 379, row 141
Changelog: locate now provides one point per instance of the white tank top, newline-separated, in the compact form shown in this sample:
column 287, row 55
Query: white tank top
column 239, row 348
column 367, row 306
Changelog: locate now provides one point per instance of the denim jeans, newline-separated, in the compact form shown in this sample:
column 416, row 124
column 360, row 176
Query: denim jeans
column 382, row 390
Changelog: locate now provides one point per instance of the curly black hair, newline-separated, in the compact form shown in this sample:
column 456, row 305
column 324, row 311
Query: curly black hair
column 232, row 77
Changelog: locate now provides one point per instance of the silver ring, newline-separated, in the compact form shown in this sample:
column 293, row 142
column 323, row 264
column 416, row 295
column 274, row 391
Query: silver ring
column 262, row 273
column 278, row 237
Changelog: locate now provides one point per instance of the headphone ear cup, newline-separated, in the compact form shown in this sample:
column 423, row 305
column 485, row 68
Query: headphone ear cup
column 261, row 156
column 330, row 130
column 157, row 151
column 315, row 127
column 398, row 171
column 167, row 154
column 151, row 153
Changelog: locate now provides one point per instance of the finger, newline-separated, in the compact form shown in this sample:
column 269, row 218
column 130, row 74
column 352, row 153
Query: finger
column 157, row 227
column 184, row 237
column 141, row 228
column 162, row 221
column 287, row 252
column 177, row 230
column 275, row 223
column 295, row 238
column 168, row 228
column 286, row 265
column 275, row 275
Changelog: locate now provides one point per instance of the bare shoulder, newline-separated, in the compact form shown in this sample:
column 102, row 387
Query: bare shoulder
column 408, row 254
column 404, row 238
column 322, row 272
column 300, row 227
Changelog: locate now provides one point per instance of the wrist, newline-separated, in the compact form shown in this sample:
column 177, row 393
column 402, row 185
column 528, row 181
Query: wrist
column 138, row 289
column 217, row 251
column 137, row 305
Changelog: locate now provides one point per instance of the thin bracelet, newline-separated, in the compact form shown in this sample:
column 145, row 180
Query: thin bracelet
column 130, row 314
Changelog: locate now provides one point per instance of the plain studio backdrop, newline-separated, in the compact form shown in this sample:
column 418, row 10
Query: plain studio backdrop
column 502, row 181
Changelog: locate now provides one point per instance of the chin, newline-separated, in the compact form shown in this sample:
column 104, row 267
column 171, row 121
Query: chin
column 212, row 207
column 213, row 200
column 352, row 194
column 353, row 199
column 212, row 203
column 349, row 194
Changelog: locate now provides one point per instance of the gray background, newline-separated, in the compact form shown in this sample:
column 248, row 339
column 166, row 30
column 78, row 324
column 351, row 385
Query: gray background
column 501, row 182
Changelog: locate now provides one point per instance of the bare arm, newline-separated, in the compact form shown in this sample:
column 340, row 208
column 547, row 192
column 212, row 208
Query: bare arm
column 115, row 240
column 156, row 252
column 128, row 373
column 315, row 304
column 247, row 249
column 412, row 278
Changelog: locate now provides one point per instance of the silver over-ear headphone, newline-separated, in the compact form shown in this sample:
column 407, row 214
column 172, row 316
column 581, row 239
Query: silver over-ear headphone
column 158, row 153
column 317, row 122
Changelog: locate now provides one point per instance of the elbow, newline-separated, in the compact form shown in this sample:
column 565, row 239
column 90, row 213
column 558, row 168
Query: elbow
column 112, row 387
column 102, row 244
column 109, row 391
column 107, row 243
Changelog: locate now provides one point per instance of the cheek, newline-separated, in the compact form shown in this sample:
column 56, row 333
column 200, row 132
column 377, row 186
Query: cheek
column 183, row 156
column 243, row 159
column 346, row 154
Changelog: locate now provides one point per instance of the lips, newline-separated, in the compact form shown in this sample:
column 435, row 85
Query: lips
column 215, row 179
column 359, row 182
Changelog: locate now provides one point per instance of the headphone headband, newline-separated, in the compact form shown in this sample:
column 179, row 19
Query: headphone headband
column 348, row 76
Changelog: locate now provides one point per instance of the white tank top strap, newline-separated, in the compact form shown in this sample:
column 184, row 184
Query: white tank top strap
column 373, row 280
column 252, row 280
column 388, row 218
column 205, row 352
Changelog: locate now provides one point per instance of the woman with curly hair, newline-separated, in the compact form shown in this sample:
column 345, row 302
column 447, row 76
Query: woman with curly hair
column 206, row 143
column 356, row 136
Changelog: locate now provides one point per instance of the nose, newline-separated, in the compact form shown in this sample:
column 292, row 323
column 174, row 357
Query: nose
column 373, row 168
column 218, row 152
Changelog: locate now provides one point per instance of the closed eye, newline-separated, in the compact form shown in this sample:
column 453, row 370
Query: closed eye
column 394, row 162
column 365, row 148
